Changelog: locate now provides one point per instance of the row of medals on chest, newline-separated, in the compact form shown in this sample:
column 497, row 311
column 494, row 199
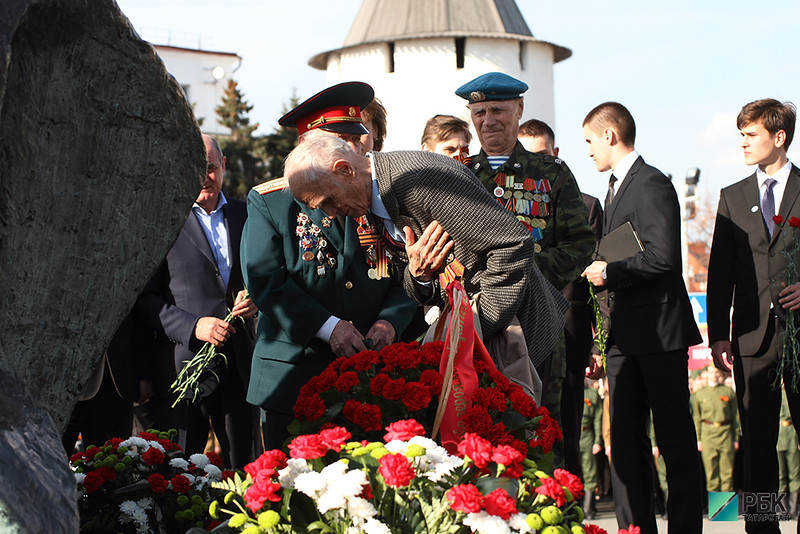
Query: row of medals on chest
column 525, row 199
column 310, row 237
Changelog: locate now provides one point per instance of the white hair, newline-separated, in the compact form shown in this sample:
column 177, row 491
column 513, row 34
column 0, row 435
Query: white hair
column 312, row 160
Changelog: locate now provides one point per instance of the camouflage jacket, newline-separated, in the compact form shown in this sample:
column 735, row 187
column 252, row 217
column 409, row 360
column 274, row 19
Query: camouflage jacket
column 542, row 192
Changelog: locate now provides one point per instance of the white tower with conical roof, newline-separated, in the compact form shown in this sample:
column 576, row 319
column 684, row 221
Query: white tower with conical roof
column 416, row 53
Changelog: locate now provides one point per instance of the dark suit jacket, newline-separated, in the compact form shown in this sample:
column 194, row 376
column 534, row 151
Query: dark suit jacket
column 188, row 286
column 494, row 247
column 649, row 305
column 294, row 301
column 579, row 319
column 746, row 267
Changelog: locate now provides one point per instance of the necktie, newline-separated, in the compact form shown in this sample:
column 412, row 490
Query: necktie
column 768, row 205
column 610, row 194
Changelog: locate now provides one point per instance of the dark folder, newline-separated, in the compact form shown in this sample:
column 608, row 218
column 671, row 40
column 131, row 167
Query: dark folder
column 622, row 243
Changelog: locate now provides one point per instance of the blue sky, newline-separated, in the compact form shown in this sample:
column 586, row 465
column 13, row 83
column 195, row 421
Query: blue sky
column 683, row 68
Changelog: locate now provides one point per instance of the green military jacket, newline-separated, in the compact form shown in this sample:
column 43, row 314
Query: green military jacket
column 787, row 437
column 715, row 414
column 542, row 192
column 592, row 420
column 300, row 271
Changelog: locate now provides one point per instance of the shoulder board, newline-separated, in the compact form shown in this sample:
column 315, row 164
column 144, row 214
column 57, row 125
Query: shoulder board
column 273, row 185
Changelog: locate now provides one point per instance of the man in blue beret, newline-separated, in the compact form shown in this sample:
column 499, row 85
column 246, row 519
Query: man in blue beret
column 541, row 192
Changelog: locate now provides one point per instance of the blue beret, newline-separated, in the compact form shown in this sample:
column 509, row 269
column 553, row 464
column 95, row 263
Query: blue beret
column 492, row 86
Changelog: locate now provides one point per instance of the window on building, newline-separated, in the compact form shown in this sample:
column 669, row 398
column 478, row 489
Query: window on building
column 522, row 55
column 390, row 59
column 460, row 42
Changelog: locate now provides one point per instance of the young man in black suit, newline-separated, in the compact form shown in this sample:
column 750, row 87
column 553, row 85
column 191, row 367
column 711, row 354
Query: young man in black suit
column 747, row 266
column 651, row 330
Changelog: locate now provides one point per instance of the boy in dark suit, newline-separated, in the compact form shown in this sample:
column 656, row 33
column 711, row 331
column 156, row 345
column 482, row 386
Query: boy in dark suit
column 747, row 265
column 651, row 330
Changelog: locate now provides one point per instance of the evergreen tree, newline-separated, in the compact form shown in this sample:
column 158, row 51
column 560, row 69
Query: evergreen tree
column 244, row 168
column 280, row 142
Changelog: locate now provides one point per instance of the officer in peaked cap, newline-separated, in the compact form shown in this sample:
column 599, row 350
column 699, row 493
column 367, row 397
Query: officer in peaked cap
column 336, row 110
column 542, row 193
column 310, row 275
column 492, row 86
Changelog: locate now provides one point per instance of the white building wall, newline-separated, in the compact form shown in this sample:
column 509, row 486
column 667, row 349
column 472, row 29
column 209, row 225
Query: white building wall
column 193, row 70
column 425, row 78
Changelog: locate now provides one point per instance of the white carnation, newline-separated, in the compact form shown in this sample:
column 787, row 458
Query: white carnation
column 360, row 509
column 294, row 467
column 373, row 526
column 517, row 522
column 79, row 477
column 213, row 471
column 155, row 445
column 483, row 523
column 310, row 483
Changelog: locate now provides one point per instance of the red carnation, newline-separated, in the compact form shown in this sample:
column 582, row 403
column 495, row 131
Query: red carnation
column 465, row 498
column 228, row 474
column 794, row 222
column 570, row 481
column 377, row 384
column 431, row 353
column 261, row 491
column 270, row 461
column 310, row 407
column 93, row 481
column 107, row 473
column 180, row 484
column 367, row 416
column 158, row 483
column 214, row 459
column 307, row 447
column 777, row 219
column 522, row 403
column 346, row 382
column 326, row 380
column 114, row 442
column 510, row 458
column 433, row 379
column 593, row 529
column 394, row 389
column 149, row 436
column 153, row 456
column 335, row 437
column 476, row 449
column 403, row 430
column 500, row 503
column 396, row 470
column 551, row 488
column 630, row 530
column 90, row 452
column 417, row 396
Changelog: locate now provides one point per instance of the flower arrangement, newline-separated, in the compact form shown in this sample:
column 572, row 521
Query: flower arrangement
column 144, row 484
column 789, row 358
column 370, row 390
column 405, row 483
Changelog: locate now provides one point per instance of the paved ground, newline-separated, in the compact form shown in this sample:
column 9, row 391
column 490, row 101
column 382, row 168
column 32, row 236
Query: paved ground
column 606, row 519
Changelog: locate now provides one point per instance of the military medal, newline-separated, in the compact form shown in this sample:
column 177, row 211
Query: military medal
column 313, row 244
column 498, row 191
column 376, row 254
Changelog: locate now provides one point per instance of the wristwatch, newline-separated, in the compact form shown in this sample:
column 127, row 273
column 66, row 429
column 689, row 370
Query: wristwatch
column 603, row 274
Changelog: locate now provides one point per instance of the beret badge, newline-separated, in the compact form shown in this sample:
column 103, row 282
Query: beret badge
column 477, row 96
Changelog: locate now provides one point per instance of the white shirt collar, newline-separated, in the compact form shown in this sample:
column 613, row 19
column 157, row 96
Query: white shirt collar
column 221, row 201
column 623, row 167
column 781, row 176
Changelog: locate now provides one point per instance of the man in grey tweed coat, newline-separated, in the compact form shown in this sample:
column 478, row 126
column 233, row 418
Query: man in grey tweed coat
column 406, row 194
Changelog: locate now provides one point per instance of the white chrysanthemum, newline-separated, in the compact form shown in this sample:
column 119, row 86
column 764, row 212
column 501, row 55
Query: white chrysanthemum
column 179, row 463
column 134, row 441
column 145, row 503
column 373, row 526
column 340, row 485
column 518, row 523
column 397, row 446
column 140, row 516
column 483, row 523
column 200, row 460
column 360, row 510
column 213, row 471
column 310, row 483
column 79, row 477
column 132, row 454
column 128, row 507
column 294, row 467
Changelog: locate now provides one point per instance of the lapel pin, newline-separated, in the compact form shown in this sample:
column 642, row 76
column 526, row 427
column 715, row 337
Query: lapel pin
column 754, row 209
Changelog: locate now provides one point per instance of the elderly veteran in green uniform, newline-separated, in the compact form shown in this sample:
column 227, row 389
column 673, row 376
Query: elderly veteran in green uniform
column 788, row 458
column 591, row 442
column 311, row 276
column 716, row 420
column 540, row 191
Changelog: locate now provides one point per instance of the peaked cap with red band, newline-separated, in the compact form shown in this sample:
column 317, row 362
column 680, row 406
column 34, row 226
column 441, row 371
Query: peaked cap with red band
column 335, row 109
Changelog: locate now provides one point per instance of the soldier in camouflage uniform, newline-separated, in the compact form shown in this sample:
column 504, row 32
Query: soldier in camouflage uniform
column 591, row 443
column 541, row 191
column 717, row 422
column 788, row 458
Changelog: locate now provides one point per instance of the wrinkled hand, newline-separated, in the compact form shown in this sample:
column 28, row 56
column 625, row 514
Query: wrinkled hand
column 790, row 297
column 427, row 255
column 382, row 333
column 723, row 357
column 594, row 273
column 596, row 371
column 213, row 330
column 244, row 307
column 346, row 340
